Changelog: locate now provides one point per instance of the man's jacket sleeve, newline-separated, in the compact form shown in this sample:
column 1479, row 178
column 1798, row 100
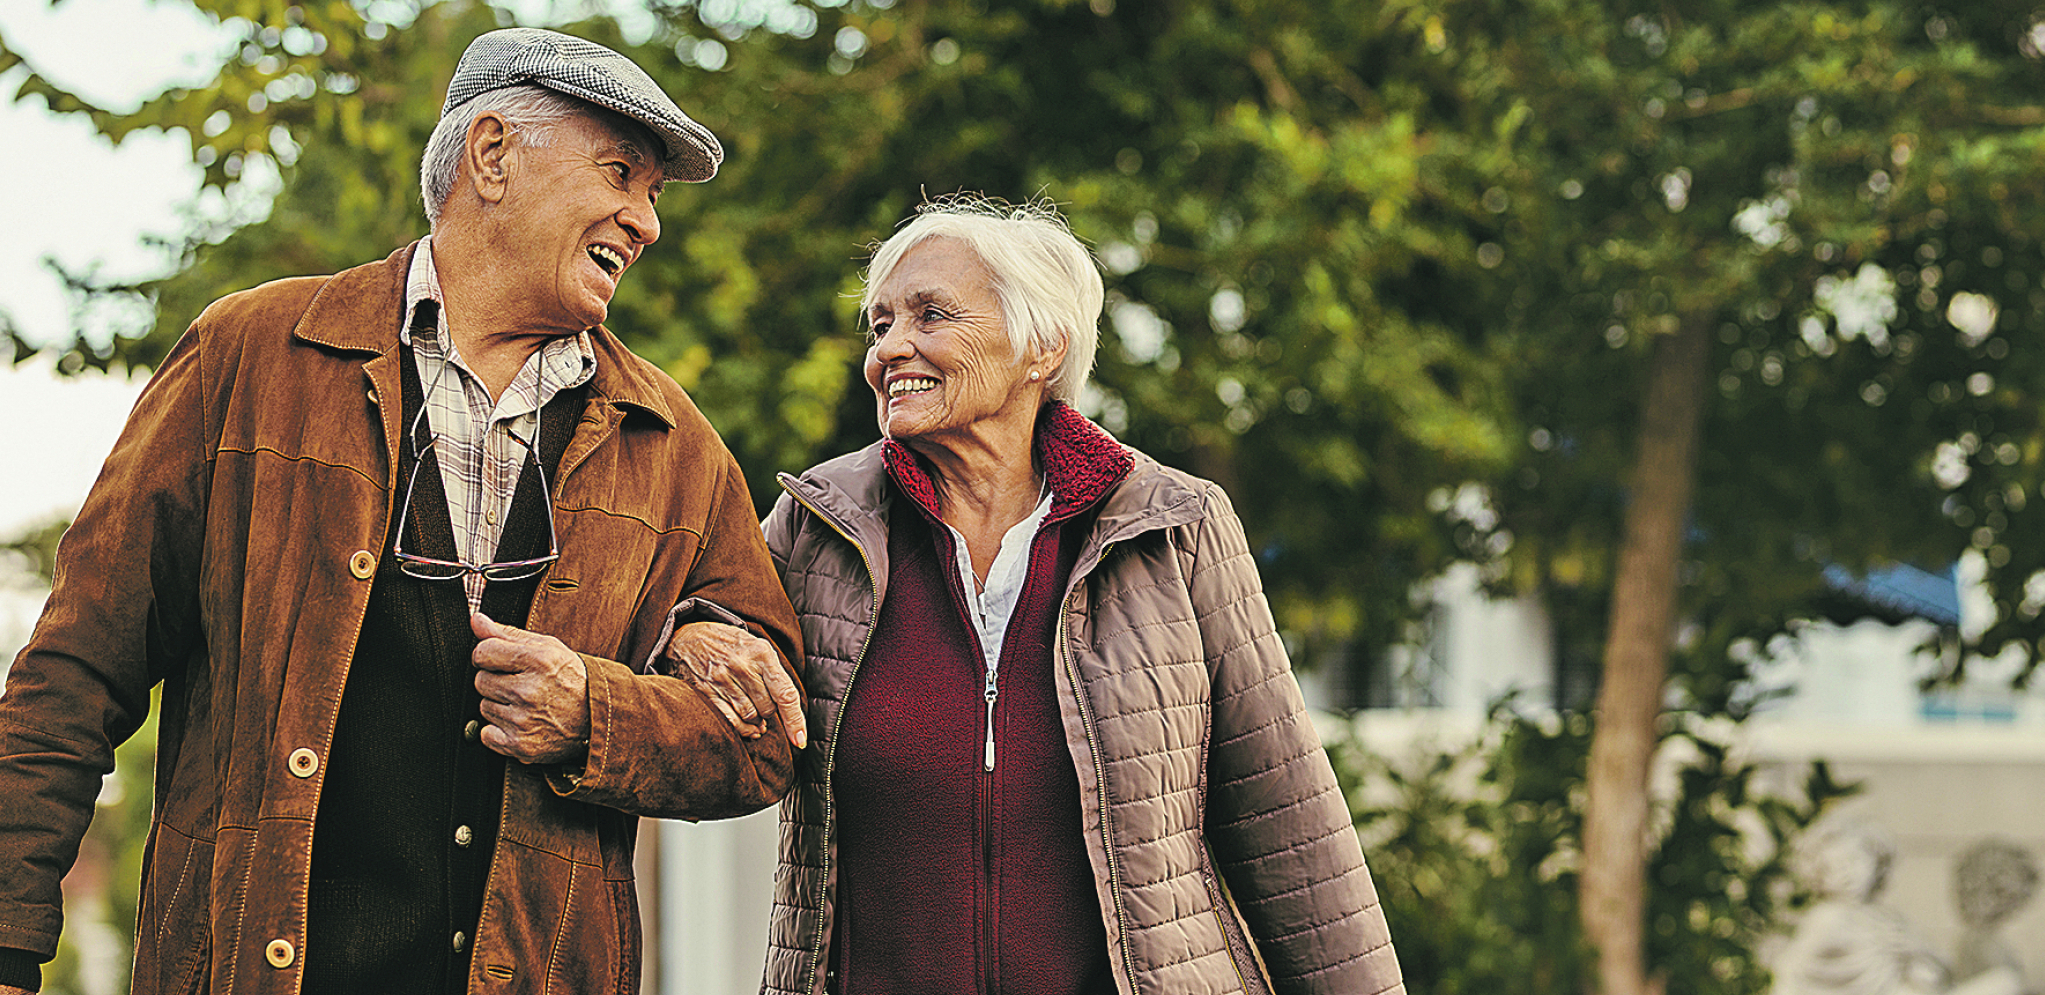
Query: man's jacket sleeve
column 123, row 614
column 657, row 746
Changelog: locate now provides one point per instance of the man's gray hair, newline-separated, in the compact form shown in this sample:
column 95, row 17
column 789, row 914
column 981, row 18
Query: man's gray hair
column 529, row 109
column 1046, row 281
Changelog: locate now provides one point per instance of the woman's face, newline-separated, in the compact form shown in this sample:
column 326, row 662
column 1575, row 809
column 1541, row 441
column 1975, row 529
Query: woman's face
column 940, row 363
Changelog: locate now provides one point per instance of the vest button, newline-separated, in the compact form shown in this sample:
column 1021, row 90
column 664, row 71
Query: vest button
column 463, row 835
column 461, row 941
column 362, row 565
column 303, row 763
column 280, row 953
column 473, row 732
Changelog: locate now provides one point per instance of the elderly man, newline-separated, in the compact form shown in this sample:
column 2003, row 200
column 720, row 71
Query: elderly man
column 412, row 552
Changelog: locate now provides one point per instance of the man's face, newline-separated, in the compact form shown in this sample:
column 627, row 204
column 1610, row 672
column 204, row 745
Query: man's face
column 580, row 209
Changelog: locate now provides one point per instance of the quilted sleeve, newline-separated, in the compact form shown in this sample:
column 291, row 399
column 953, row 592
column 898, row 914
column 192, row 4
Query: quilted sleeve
column 1276, row 819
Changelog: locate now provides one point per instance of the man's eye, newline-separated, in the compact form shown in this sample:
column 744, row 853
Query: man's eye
column 878, row 329
column 624, row 171
column 934, row 314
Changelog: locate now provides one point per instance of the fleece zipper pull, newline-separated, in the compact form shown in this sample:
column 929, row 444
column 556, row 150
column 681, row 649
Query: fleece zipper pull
column 987, row 759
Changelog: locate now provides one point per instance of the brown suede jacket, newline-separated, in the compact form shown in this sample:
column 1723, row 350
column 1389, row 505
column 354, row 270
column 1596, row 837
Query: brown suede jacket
column 226, row 554
column 1223, row 855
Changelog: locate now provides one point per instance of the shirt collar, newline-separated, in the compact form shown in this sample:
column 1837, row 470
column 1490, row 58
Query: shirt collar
column 565, row 362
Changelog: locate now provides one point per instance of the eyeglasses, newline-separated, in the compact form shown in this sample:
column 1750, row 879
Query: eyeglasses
column 427, row 568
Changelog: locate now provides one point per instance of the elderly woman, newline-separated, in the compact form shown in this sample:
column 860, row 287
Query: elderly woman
column 1059, row 748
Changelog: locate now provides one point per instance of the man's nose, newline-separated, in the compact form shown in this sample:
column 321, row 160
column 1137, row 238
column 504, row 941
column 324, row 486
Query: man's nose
column 641, row 223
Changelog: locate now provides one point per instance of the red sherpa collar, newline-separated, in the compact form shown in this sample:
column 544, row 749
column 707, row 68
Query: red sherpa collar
column 1081, row 462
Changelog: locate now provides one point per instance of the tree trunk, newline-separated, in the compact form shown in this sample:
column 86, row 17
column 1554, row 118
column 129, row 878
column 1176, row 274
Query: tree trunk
column 1642, row 625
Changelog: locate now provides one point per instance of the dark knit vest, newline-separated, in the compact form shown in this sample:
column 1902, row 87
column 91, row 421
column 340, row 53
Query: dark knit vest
column 953, row 879
column 409, row 812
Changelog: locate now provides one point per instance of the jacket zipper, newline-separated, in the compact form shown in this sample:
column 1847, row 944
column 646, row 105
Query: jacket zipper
column 816, row 958
column 1221, row 916
column 990, row 951
column 992, row 693
column 1242, row 980
column 1086, row 721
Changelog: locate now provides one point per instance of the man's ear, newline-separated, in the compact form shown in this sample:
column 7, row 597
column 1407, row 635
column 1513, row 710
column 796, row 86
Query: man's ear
column 487, row 154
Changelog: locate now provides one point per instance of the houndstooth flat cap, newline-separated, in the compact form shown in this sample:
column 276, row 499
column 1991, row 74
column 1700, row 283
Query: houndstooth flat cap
column 587, row 71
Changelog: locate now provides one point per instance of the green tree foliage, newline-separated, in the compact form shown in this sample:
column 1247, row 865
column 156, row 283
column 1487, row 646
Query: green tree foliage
column 1786, row 179
column 1276, row 229
column 36, row 548
column 1747, row 163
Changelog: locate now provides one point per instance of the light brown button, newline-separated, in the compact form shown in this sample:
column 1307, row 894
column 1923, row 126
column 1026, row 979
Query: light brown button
column 304, row 762
column 280, row 953
column 473, row 732
column 490, row 516
column 461, row 941
column 362, row 565
column 463, row 835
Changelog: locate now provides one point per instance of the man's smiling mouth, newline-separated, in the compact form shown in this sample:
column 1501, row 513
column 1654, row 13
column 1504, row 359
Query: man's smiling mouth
column 607, row 259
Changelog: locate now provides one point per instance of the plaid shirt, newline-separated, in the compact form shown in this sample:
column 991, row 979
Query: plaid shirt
column 480, row 460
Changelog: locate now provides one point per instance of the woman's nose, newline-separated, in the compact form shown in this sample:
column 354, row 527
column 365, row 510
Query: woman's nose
column 891, row 344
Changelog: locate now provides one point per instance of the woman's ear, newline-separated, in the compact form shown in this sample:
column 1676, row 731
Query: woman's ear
column 487, row 154
column 1050, row 359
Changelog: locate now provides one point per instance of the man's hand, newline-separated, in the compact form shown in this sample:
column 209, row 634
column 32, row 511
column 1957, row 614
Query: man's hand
column 11, row 990
column 535, row 694
column 741, row 674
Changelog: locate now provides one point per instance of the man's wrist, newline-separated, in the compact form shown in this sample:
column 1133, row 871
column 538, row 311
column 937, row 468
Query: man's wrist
column 21, row 969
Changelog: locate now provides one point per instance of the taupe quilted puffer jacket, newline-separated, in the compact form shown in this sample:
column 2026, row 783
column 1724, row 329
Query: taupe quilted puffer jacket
column 1204, row 789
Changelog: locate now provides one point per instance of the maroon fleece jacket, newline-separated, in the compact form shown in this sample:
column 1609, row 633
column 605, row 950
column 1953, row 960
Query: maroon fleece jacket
column 956, row 879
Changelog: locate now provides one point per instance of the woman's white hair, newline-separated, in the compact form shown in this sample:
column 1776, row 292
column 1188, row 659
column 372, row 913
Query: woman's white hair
column 529, row 109
column 1046, row 281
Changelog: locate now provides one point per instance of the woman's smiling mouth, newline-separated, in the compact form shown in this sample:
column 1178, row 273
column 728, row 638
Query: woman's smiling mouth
column 911, row 385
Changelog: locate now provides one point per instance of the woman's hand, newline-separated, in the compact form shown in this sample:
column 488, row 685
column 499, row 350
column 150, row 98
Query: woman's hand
column 742, row 676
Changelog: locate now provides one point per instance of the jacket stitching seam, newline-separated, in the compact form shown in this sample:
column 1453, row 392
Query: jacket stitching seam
column 650, row 527
column 1282, row 717
column 560, row 930
column 1296, row 847
column 1251, row 640
column 1104, row 638
column 1352, row 958
column 1289, row 892
column 280, row 454
column 1253, row 817
column 1278, row 765
column 1318, row 923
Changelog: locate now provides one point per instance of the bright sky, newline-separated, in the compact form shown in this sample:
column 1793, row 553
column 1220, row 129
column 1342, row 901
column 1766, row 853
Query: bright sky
column 67, row 194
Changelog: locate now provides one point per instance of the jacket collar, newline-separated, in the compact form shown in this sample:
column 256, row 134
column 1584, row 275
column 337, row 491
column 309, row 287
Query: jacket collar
column 852, row 490
column 360, row 309
column 1081, row 462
